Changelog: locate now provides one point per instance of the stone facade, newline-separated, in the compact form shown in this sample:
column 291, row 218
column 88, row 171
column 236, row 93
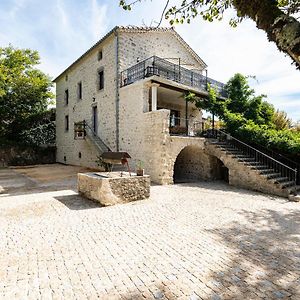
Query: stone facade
column 110, row 189
column 120, row 111
column 81, row 109
column 136, row 118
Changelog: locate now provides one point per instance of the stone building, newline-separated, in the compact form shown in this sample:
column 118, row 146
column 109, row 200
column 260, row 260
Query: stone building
column 129, row 90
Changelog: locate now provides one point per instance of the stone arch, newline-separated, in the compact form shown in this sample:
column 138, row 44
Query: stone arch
column 193, row 163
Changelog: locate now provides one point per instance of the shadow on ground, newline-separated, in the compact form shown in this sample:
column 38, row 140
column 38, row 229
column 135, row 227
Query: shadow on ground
column 266, row 262
column 220, row 185
column 76, row 202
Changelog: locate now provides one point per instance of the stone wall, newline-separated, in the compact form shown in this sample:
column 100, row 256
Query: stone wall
column 25, row 155
column 138, row 46
column 161, row 149
column 193, row 164
column 113, row 189
column 87, row 72
column 241, row 175
column 131, row 46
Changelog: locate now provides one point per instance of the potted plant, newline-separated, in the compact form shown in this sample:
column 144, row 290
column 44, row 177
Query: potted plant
column 139, row 168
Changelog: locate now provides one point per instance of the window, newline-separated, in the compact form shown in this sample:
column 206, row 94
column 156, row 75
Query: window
column 66, row 123
column 66, row 97
column 101, row 79
column 79, row 90
column 100, row 54
column 174, row 118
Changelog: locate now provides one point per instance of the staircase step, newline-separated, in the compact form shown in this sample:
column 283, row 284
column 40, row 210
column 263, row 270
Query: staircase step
column 294, row 189
column 287, row 184
column 281, row 179
column 243, row 156
column 266, row 171
column 245, row 159
column 274, row 176
column 233, row 150
column 254, row 163
column 261, row 167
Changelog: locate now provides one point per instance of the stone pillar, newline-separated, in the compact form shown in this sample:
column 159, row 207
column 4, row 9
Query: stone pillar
column 154, row 87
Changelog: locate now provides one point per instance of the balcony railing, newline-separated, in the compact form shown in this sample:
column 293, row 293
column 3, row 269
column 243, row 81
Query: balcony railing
column 185, row 127
column 161, row 67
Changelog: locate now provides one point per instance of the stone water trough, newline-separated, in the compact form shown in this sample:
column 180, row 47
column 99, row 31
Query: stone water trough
column 110, row 188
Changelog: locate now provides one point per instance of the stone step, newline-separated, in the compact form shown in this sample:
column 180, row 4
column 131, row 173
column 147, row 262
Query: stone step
column 273, row 175
column 295, row 198
column 245, row 159
column 281, row 179
column 263, row 168
column 254, row 163
column 237, row 151
column 294, row 189
column 287, row 184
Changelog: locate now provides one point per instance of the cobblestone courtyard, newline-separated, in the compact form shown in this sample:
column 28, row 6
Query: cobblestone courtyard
column 188, row 241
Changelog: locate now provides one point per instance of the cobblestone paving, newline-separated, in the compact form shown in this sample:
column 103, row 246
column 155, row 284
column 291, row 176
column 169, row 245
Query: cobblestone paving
column 189, row 241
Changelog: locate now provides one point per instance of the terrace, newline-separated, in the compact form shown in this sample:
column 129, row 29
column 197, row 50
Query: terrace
column 156, row 66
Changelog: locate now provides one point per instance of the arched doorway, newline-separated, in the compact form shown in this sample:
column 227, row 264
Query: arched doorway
column 191, row 165
column 194, row 164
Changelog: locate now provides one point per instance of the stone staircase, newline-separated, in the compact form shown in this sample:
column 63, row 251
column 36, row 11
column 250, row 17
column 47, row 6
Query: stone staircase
column 264, row 169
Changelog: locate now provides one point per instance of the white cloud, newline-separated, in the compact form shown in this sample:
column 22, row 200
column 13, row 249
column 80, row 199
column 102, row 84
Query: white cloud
column 61, row 30
column 246, row 49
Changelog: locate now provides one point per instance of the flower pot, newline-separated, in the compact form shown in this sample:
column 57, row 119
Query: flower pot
column 140, row 172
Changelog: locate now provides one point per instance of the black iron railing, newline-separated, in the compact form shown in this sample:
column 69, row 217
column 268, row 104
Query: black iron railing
column 161, row 67
column 83, row 129
column 186, row 127
column 285, row 170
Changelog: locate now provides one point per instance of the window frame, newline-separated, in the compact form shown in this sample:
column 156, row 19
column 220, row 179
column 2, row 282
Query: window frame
column 79, row 90
column 101, row 82
column 66, row 97
column 100, row 55
column 67, row 121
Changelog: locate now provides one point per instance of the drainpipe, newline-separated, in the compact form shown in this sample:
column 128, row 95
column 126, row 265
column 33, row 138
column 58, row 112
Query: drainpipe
column 117, row 91
column 186, row 118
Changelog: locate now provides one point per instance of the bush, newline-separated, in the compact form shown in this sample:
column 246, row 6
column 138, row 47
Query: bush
column 43, row 134
column 284, row 141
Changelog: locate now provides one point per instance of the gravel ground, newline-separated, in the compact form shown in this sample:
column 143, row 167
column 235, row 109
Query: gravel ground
column 187, row 241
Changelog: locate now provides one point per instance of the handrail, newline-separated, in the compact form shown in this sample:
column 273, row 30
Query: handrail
column 95, row 135
column 256, row 150
column 155, row 65
column 284, row 170
column 277, row 154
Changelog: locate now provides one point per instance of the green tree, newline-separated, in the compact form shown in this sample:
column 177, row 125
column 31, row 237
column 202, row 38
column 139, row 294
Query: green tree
column 281, row 120
column 24, row 90
column 242, row 104
column 278, row 18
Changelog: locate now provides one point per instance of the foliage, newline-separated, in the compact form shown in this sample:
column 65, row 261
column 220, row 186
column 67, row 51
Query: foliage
column 281, row 120
column 209, row 10
column 284, row 141
column 242, row 103
column 24, row 90
column 277, row 18
column 250, row 118
column 140, row 165
column 43, row 134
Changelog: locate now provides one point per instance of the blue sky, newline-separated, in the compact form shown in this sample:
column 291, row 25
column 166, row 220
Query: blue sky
column 61, row 30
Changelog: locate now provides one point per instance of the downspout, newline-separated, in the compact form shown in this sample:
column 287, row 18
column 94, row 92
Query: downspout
column 117, row 91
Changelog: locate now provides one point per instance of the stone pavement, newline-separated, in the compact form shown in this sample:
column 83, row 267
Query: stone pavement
column 188, row 241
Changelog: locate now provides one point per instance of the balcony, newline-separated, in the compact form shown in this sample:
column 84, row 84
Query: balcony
column 156, row 66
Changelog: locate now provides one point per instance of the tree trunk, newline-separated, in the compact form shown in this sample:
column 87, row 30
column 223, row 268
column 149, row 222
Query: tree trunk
column 281, row 29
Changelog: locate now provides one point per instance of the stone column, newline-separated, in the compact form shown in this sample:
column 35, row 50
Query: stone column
column 154, row 87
